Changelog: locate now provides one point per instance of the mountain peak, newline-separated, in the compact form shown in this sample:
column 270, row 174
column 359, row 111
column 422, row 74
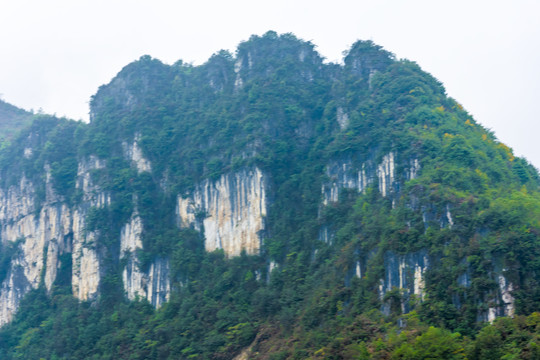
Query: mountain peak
column 365, row 57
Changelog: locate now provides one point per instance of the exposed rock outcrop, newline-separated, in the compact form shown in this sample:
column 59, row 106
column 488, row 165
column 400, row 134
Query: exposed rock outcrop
column 133, row 152
column 231, row 211
column 404, row 272
column 342, row 118
column 386, row 174
column 153, row 285
column 43, row 236
column 234, row 209
column 343, row 174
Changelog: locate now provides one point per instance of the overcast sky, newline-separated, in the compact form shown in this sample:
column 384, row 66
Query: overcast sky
column 56, row 53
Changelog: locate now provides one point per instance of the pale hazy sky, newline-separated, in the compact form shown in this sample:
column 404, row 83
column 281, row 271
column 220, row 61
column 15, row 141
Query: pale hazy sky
column 56, row 53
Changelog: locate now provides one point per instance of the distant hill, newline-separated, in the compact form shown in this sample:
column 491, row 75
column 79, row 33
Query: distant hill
column 12, row 119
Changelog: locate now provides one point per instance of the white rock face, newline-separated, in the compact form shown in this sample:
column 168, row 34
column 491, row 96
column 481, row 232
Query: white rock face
column 235, row 207
column 27, row 153
column 386, row 174
column 405, row 272
column 17, row 202
column 19, row 224
column 238, row 82
column 85, row 272
column 506, row 288
column 231, row 211
column 302, row 55
column 419, row 283
column 449, row 217
column 492, row 314
column 271, row 267
column 86, row 275
column 342, row 175
column 55, row 222
column 45, row 236
column 326, row 235
column 413, row 170
column 14, row 287
column 358, row 270
column 91, row 193
column 134, row 153
column 504, row 302
column 342, row 118
column 158, row 282
column 154, row 285
column 130, row 237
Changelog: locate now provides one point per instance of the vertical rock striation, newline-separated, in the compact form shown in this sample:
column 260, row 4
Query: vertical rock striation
column 43, row 235
column 153, row 285
column 133, row 152
column 342, row 174
column 404, row 272
column 231, row 211
column 386, row 174
column 234, row 209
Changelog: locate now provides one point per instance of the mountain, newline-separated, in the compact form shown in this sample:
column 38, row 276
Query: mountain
column 269, row 205
column 12, row 119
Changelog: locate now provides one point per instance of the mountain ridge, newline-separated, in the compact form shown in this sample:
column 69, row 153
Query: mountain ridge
column 261, row 196
column 12, row 119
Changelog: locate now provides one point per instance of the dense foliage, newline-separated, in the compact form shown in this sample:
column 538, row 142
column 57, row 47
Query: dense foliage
column 12, row 120
column 275, row 104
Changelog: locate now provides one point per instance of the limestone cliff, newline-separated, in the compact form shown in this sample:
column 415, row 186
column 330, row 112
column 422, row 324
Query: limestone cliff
column 342, row 174
column 44, row 234
column 153, row 285
column 406, row 273
column 231, row 211
column 134, row 153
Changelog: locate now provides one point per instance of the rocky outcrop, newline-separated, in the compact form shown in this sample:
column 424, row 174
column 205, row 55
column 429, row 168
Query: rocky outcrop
column 412, row 169
column 231, row 211
column 501, row 301
column 86, row 267
column 386, row 174
column 43, row 236
column 133, row 152
column 342, row 118
column 507, row 299
column 14, row 287
column 153, row 285
column 238, row 82
column 130, row 243
column 326, row 234
column 158, row 280
column 343, row 174
column 406, row 273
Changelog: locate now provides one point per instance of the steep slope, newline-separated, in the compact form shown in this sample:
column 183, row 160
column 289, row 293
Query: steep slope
column 12, row 120
column 263, row 197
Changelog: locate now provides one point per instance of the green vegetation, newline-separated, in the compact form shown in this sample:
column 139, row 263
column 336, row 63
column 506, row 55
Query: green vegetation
column 12, row 120
column 278, row 110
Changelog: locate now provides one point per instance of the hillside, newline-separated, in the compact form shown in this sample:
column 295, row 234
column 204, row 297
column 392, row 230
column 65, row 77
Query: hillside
column 269, row 205
column 12, row 120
